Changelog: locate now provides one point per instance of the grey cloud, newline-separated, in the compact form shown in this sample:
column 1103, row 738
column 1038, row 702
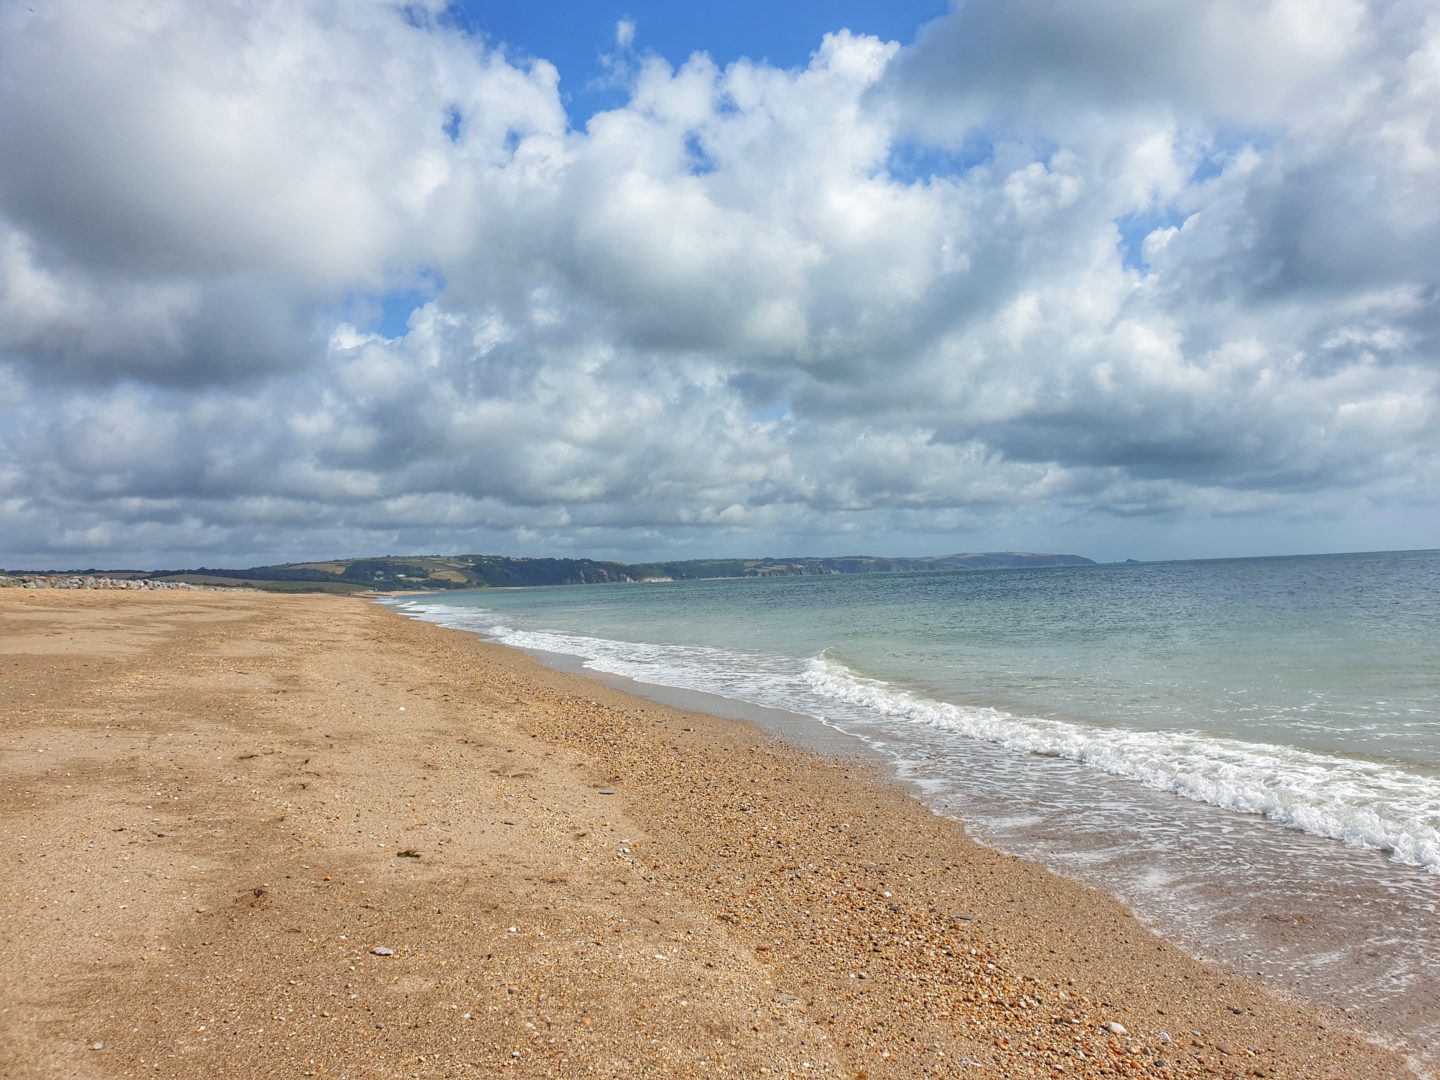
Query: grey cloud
column 172, row 332
column 1235, row 60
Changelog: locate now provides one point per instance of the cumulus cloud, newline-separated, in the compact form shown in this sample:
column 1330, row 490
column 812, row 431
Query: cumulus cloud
column 183, row 161
column 1037, row 268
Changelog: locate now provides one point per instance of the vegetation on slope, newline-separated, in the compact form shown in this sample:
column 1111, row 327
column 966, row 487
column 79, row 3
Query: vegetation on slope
column 399, row 572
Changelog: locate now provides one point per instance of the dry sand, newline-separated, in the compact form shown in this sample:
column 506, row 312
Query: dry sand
column 216, row 807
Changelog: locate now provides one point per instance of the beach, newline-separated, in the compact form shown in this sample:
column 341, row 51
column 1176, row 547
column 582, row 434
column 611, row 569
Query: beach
column 255, row 835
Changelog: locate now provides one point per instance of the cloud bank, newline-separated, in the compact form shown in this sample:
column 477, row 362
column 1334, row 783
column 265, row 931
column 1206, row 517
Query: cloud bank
column 289, row 279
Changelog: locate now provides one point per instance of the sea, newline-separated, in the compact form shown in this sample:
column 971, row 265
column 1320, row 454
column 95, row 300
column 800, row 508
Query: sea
column 1244, row 751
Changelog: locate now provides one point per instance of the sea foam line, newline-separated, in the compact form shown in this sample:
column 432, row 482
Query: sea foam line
column 763, row 680
column 1360, row 803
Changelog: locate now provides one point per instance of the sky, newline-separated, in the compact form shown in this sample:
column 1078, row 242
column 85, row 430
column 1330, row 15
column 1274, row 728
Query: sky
column 289, row 279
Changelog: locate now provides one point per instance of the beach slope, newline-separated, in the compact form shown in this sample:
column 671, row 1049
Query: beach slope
column 257, row 835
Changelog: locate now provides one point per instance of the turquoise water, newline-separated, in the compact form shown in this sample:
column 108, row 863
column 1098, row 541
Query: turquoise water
column 1166, row 731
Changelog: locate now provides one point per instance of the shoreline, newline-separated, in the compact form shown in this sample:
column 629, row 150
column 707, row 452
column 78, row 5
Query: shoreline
column 806, row 733
column 223, row 802
column 1269, row 939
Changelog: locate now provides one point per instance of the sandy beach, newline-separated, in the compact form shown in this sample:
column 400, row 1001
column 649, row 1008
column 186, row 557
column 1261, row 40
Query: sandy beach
column 251, row 835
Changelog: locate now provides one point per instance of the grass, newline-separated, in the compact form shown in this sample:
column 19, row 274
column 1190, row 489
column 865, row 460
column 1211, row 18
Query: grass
column 343, row 587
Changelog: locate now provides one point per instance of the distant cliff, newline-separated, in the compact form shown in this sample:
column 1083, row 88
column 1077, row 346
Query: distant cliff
column 481, row 571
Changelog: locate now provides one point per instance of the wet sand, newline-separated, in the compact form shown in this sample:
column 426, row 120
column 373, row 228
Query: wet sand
column 217, row 807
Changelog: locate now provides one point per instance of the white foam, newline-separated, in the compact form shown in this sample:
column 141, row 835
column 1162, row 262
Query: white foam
column 765, row 680
column 1360, row 803
column 774, row 681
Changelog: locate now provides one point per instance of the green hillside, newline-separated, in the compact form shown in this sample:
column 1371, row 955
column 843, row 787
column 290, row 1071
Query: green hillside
column 428, row 572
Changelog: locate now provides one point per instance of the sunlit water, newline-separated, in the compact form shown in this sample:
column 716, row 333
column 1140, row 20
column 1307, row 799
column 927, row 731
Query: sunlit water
column 1246, row 751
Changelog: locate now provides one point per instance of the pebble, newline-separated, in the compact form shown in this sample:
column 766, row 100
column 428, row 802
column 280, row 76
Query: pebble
column 97, row 1046
column 1115, row 1029
column 381, row 950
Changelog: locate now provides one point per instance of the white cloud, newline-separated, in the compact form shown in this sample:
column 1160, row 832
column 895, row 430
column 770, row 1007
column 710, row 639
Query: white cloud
column 182, row 158
column 862, row 302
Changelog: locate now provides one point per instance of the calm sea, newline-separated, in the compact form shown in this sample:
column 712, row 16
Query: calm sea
column 1246, row 751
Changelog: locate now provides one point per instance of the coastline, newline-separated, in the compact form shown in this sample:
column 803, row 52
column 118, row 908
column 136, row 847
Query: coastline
column 211, row 789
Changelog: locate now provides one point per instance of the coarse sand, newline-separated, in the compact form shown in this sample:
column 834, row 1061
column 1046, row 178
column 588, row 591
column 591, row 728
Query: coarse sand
column 249, row 835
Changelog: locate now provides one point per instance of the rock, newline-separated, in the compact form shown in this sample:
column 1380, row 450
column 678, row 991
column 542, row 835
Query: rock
column 97, row 1046
column 89, row 581
column 381, row 950
column 1114, row 1028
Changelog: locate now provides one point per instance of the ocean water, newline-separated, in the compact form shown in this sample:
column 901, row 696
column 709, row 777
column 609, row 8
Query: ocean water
column 1245, row 751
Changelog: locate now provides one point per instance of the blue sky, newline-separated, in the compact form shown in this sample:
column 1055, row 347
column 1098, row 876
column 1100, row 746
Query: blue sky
column 1127, row 280
column 576, row 36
